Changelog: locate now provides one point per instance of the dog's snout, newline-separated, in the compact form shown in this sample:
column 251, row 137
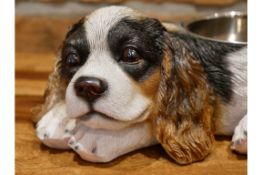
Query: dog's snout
column 90, row 88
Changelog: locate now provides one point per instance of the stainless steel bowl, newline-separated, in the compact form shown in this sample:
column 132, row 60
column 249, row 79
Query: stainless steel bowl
column 230, row 27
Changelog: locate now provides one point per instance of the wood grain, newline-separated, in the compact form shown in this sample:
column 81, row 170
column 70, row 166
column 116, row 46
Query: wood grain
column 37, row 40
column 29, row 65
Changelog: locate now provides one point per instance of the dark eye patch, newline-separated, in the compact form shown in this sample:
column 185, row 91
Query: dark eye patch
column 75, row 50
column 146, row 36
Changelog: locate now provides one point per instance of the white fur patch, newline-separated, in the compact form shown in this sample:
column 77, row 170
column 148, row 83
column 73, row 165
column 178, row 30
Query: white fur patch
column 99, row 23
column 232, row 113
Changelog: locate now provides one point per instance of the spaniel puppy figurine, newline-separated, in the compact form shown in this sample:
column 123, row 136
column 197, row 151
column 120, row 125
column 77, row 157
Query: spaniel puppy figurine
column 124, row 81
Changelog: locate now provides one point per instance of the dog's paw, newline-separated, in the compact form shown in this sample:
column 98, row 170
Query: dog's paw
column 86, row 152
column 90, row 146
column 239, row 140
column 54, row 130
column 56, row 133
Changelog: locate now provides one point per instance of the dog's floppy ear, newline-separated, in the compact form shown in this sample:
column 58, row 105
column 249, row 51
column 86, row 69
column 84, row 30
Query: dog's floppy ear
column 54, row 92
column 185, row 105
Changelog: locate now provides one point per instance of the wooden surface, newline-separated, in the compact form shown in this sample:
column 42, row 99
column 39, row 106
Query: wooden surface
column 37, row 40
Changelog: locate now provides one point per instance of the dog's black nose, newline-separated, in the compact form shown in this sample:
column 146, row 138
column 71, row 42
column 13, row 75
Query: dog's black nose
column 90, row 88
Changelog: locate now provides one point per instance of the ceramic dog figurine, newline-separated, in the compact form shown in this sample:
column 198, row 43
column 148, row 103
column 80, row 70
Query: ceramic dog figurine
column 124, row 81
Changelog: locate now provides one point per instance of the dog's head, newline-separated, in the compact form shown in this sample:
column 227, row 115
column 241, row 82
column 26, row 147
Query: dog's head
column 118, row 67
column 111, row 61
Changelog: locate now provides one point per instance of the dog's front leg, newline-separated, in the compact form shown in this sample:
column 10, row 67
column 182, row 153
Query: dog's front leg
column 55, row 128
column 98, row 145
column 239, row 140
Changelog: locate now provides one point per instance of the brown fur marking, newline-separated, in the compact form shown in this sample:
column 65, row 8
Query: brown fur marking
column 185, row 107
column 149, row 87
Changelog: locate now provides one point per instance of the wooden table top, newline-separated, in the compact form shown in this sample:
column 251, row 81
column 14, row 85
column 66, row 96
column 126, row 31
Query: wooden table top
column 37, row 40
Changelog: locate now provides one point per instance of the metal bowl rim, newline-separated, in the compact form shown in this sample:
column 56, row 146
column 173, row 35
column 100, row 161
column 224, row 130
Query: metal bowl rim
column 229, row 14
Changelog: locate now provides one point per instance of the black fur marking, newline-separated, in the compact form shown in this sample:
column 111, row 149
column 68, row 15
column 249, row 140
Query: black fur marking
column 211, row 55
column 147, row 36
column 75, row 43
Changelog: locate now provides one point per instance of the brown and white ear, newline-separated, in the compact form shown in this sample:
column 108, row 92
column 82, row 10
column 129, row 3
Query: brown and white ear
column 185, row 106
column 54, row 92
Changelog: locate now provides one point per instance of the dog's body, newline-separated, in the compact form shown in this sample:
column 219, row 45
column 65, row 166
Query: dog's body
column 124, row 81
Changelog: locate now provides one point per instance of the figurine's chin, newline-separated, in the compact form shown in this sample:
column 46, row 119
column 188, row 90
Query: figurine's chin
column 101, row 121
column 98, row 120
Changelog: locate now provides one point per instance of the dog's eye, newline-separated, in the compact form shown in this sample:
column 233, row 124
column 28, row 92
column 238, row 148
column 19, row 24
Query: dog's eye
column 130, row 55
column 72, row 59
